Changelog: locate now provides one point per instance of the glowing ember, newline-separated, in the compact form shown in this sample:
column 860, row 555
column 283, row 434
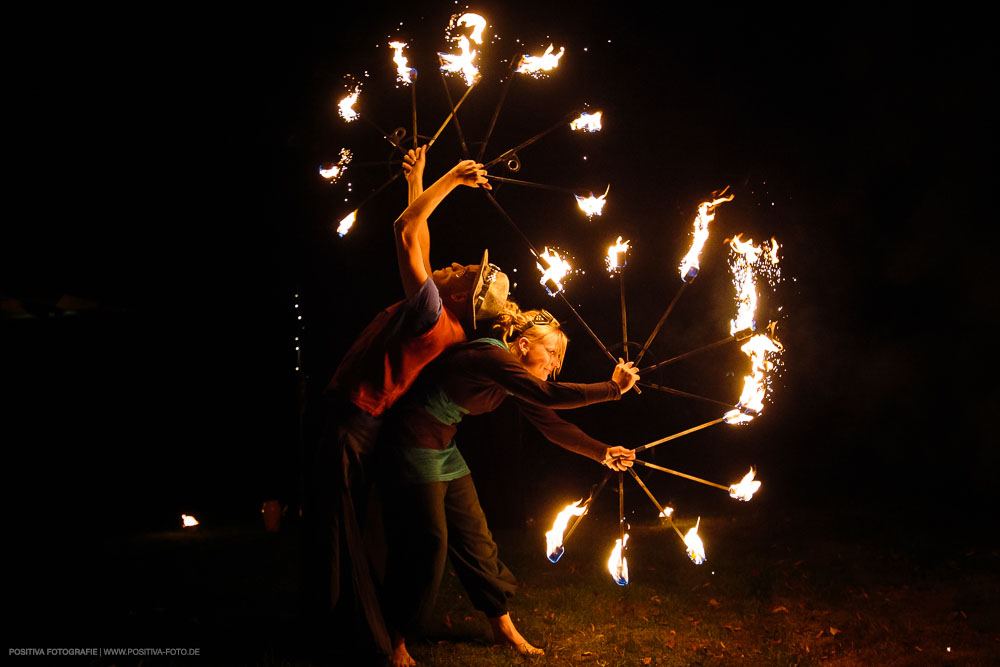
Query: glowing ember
column 334, row 170
column 346, row 105
column 695, row 549
column 188, row 521
column 689, row 265
column 536, row 66
column 404, row 74
column 618, row 564
column 616, row 255
column 588, row 122
column 348, row 222
column 746, row 488
column 667, row 512
column 554, row 538
column 463, row 62
column 592, row 205
column 553, row 271
column 755, row 385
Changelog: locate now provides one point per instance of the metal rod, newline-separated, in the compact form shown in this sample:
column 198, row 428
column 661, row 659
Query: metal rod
column 382, row 132
column 659, row 324
column 589, row 330
column 413, row 106
column 377, row 163
column 621, row 519
column 663, row 512
column 496, row 112
column 450, row 116
column 530, row 141
column 377, row 190
column 510, row 220
column 590, row 502
column 650, row 445
column 681, row 474
column 454, row 110
column 529, row 184
column 621, row 278
column 736, row 336
column 685, row 394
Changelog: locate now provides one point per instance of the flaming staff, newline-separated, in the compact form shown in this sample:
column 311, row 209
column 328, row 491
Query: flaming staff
column 524, row 144
column 347, row 222
column 407, row 76
column 554, row 538
column 555, row 547
column 617, row 261
column 620, row 573
column 587, row 122
column 592, row 205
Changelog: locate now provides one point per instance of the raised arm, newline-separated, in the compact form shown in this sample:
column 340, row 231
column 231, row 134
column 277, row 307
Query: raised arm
column 412, row 236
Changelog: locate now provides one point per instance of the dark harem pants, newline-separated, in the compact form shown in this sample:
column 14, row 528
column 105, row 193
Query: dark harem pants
column 426, row 523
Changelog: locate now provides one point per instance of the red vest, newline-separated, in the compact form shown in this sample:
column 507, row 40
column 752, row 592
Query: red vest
column 381, row 366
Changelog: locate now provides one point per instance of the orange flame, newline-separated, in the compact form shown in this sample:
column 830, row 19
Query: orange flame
column 333, row 171
column 618, row 564
column 404, row 74
column 616, row 255
column 188, row 521
column 592, row 205
column 464, row 62
column 689, row 265
column 667, row 513
column 554, row 538
column 348, row 222
column 554, row 271
column 695, row 548
column 588, row 122
column 537, row 66
column 746, row 488
column 346, row 105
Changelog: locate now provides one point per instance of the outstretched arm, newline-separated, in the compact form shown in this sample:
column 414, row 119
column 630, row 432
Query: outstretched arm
column 412, row 236
column 572, row 438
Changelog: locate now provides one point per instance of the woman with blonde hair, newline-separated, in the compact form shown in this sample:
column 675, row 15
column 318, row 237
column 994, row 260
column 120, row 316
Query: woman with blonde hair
column 433, row 510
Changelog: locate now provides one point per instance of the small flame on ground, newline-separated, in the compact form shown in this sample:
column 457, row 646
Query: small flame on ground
column 554, row 538
column 348, row 222
column 695, row 548
column 463, row 62
column 334, row 170
column 588, row 122
column 746, row 488
column 706, row 213
column 592, row 205
column 537, row 66
column 346, row 105
column 404, row 74
column 188, row 521
column 667, row 513
column 618, row 564
column 553, row 271
column 616, row 255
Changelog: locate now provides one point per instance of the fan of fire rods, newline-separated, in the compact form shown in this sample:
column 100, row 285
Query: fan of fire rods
column 749, row 264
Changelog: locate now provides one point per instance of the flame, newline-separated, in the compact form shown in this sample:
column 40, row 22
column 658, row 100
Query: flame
column 695, row 548
column 404, row 74
column 746, row 488
column 463, row 62
column 618, row 564
column 554, row 272
column 689, row 265
column 592, row 205
column 536, row 66
column 616, row 255
column 334, row 171
column 188, row 521
column 588, row 122
column 554, row 538
column 348, row 222
column 667, row 513
column 751, row 401
column 346, row 105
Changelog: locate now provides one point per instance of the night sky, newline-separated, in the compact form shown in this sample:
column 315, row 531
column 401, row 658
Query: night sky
column 194, row 214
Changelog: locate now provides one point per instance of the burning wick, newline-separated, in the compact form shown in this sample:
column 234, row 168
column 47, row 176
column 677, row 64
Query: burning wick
column 554, row 538
column 404, row 74
column 695, row 549
column 346, row 105
column 616, row 256
column 746, row 488
column 332, row 171
column 751, row 401
column 188, row 521
column 348, row 222
column 592, row 205
column 554, row 271
column 588, row 122
column 463, row 62
column 689, row 265
column 667, row 513
column 618, row 564
column 537, row 66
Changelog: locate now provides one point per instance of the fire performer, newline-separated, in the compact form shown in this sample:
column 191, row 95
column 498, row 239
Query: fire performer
column 432, row 509
column 378, row 368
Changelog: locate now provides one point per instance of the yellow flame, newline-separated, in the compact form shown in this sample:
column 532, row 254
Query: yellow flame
column 588, row 122
column 188, row 521
column 404, row 74
column 695, row 548
column 618, row 564
column 554, row 271
column 346, row 105
column 348, row 222
column 592, row 205
column 667, row 512
column 706, row 213
column 746, row 487
column 334, row 171
column 755, row 385
column 464, row 62
column 554, row 538
column 616, row 255
column 537, row 65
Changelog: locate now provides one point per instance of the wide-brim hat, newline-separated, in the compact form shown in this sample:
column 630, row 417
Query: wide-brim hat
column 489, row 294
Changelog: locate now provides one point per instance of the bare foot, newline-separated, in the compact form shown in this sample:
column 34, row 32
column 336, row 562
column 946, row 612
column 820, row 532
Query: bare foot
column 400, row 656
column 504, row 632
